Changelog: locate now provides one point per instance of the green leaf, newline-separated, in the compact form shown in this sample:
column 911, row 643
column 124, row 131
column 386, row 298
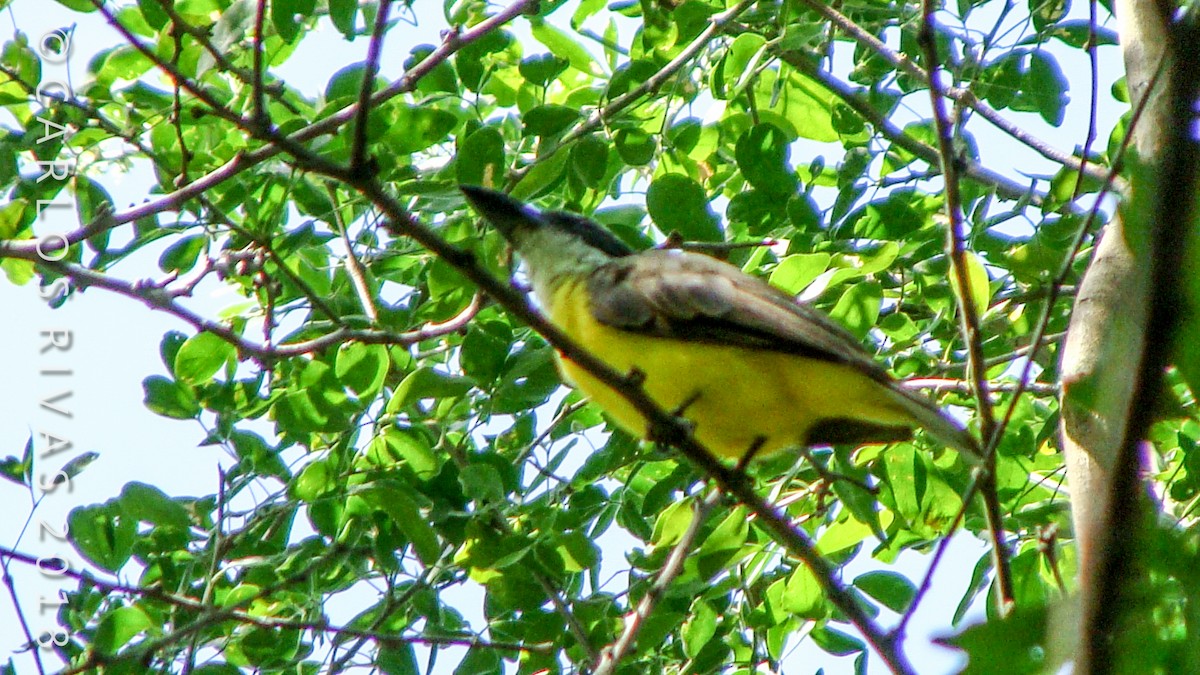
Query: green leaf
column 12, row 218
column 1014, row 644
column 237, row 20
column 803, row 595
column 678, row 204
column 18, row 470
column 762, row 155
column 899, row 157
column 315, row 401
column 425, row 382
column 899, row 326
column 1047, row 12
column 481, row 483
column 122, row 63
column 745, row 53
column 363, row 368
column 257, row 455
column 147, row 503
column 730, row 534
column 529, row 377
column 392, row 497
column 181, row 256
column 289, row 15
column 18, row 271
column 541, row 69
column 794, row 273
column 842, row 535
column 836, row 642
column 578, row 553
column 1047, row 87
column 630, row 76
column 201, row 357
column 419, row 127
column 660, row 627
column 672, row 523
column 894, row 590
column 83, row 6
column 485, row 350
column 169, row 398
column 548, row 120
column 441, row 79
column 858, row 308
column 24, row 63
column 120, row 626
column 565, row 47
column 103, row 534
column 76, row 466
column 589, row 160
column 906, row 477
column 700, row 627
column 481, row 158
column 635, row 146
column 346, row 83
column 543, row 175
column 586, row 9
column 316, row 480
column 344, row 15
column 397, row 659
column 91, row 200
column 153, row 13
column 169, row 346
column 809, row 107
column 760, row 211
column 977, row 278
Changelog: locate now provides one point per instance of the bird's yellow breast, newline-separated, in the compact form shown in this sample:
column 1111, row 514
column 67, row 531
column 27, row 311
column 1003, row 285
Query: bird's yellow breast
column 732, row 395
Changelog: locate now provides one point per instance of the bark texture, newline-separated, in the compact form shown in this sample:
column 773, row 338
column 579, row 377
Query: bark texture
column 1107, row 333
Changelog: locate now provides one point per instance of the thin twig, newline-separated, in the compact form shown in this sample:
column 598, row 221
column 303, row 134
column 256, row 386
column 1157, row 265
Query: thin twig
column 214, row 565
column 968, row 312
column 1094, row 107
column 935, row 562
column 451, row 44
column 261, row 118
column 652, row 84
column 177, row 77
column 635, row 620
column 1004, row 186
column 5, row 563
column 253, row 78
column 156, row 297
column 358, row 152
column 1040, row 337
column 941, row 385
column 963, row 96
column 354, row 268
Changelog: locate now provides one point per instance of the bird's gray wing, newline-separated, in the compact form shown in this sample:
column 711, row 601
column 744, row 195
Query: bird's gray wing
column 689, row 296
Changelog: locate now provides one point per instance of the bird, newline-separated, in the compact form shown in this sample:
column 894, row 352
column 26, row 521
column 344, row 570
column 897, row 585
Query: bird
column 752, row 370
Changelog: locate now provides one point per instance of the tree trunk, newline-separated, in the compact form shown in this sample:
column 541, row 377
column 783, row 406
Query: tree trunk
column 1107, row 331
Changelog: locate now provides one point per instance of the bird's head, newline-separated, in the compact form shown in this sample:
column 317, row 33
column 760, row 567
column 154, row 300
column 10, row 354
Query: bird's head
column 557, row 246
column 526, row 227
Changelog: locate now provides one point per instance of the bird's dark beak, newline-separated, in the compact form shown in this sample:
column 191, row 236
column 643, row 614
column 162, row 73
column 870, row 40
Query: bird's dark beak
column 507, row 214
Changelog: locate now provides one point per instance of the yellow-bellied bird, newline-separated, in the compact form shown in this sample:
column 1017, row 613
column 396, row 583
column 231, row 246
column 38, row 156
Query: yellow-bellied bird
column 748, row 366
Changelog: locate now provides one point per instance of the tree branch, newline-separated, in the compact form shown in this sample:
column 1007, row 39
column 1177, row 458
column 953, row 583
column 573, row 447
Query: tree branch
column 1167, row 228
column 968, row 312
